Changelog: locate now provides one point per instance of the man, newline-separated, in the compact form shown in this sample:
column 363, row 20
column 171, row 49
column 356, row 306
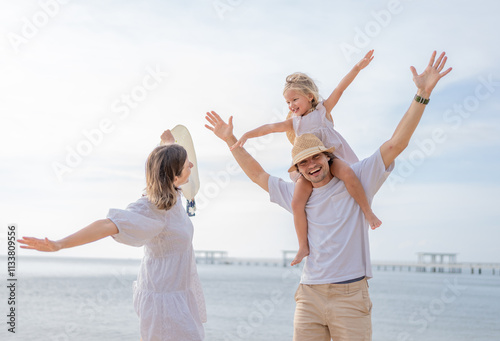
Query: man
column 332, row 301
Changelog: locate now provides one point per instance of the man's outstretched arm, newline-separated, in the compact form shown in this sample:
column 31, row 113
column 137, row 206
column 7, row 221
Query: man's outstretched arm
column 425, row 83
column 250, row 166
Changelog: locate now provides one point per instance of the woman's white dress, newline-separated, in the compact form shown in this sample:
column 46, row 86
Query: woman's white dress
column 167, row 294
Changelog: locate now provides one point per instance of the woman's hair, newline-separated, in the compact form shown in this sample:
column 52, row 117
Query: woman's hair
column 163, row 165
column 304, row 84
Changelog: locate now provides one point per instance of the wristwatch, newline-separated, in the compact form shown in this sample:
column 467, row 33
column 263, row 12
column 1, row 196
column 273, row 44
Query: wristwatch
column 420, row 99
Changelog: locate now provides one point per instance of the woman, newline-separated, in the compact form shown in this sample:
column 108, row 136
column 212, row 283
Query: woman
column 167, row 294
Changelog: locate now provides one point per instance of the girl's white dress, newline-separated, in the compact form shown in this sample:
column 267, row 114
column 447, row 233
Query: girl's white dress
column 167, row 294
column 316, row 123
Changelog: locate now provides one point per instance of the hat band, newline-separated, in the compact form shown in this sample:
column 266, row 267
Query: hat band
column 308, row 152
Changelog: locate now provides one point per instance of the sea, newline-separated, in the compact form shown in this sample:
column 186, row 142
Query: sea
column 59, row 299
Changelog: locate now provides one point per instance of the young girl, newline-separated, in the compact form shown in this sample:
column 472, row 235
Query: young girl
column 167, row 294
column 309, row 115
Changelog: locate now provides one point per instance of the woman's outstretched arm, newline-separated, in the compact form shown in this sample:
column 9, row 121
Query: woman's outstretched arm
column 97, row 230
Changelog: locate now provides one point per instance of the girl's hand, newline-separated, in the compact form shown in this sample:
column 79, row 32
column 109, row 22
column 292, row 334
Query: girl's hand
column 44, row 245
column 240, row 142
column 220, row 128
column 366, row 60
column 428, row 79
column 167, row 137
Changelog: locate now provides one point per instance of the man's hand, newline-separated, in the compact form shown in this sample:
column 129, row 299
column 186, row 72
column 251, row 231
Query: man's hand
column 221, row 129
column 224, row 131
column 428, row 79
column 425, row 83
column 240, row 142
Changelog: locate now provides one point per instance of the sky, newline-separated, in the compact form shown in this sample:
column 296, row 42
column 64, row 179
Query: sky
column 88, row 87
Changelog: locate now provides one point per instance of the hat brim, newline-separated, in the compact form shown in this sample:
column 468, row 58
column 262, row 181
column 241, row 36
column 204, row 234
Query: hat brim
column 183, row 138
column 307, row 153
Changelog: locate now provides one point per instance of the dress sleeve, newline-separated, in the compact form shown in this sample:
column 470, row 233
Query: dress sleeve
column 137, row 224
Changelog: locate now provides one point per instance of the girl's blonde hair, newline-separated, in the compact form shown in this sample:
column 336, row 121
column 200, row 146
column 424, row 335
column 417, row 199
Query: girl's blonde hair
column 304, row 84
column 163, row 165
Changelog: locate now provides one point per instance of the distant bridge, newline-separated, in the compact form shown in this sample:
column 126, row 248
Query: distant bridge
column 473, row 268
column 427, row 262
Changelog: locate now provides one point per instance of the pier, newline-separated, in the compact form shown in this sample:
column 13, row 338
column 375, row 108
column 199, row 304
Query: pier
column 472, row 268
column 441, row 263
column 429, row 262
column 210, row 257
column 435, row 257
column 221, row 257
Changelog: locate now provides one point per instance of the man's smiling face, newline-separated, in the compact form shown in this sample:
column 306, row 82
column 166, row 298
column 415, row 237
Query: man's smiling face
column 316, row 169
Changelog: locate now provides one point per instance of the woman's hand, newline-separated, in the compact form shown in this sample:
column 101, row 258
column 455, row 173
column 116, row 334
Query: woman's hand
column 221, row 129
column 167, row 137
column 97, row 230
column 428, row 79
column 45, row 245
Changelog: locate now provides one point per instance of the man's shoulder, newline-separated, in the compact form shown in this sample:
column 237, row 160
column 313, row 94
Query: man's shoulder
column 374, row 160
column 372, row 172
column 276, row 182
column 281, row 191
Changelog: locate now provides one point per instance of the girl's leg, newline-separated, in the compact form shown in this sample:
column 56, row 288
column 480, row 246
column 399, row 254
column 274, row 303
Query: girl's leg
column 341, row 170
column 303, row 190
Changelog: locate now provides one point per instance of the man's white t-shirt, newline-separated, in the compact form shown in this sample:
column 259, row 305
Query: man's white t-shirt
column 337, row 230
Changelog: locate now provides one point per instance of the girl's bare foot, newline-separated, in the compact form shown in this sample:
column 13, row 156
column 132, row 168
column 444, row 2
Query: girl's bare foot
column 303, row 252
column 373, row 220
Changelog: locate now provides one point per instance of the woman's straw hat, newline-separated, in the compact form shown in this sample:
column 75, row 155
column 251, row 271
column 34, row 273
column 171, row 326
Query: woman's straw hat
column 307, row 145
column 183, row 138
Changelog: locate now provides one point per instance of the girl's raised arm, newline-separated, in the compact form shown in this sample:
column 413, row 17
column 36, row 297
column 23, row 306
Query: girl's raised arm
column 346, row 81
column 95, row 231
column 279, row 127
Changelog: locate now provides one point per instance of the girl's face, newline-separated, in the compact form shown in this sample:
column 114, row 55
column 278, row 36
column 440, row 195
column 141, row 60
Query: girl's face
column 184, row 177
column 297, row 102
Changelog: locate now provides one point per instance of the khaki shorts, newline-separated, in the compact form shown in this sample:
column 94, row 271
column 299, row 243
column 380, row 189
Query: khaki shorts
column 333, row 311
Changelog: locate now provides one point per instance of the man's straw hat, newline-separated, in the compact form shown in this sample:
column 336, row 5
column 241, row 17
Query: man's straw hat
column 306, row 145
